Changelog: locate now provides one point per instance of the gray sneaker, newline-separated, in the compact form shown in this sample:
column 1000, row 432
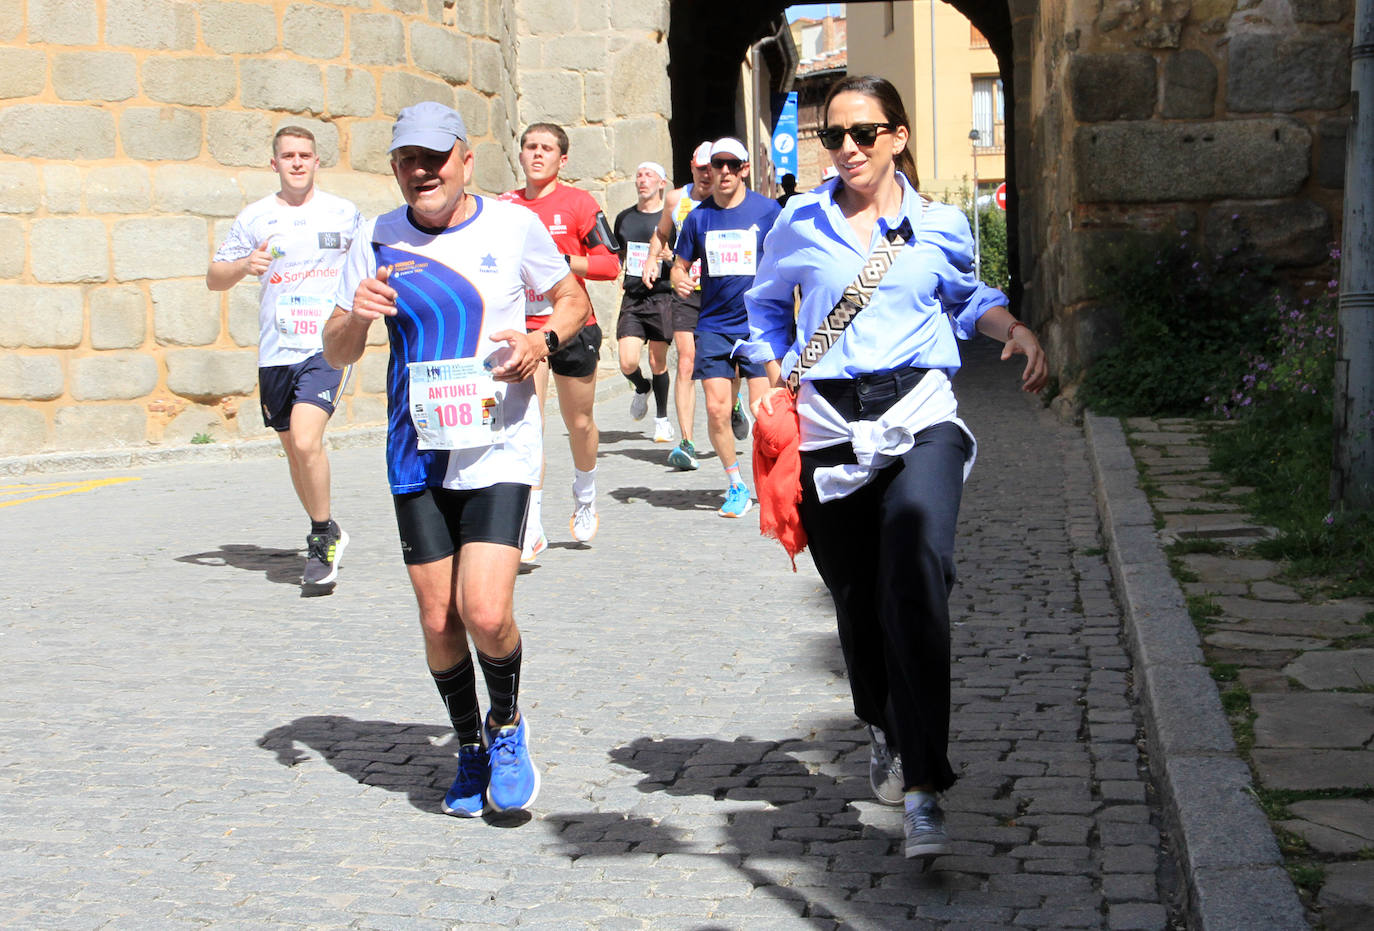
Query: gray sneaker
column 884, row 768
column 639, row 405
column 323, row 552
column 925, row 831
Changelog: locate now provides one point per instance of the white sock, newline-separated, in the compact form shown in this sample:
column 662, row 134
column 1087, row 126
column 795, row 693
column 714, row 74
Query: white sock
column 584, row 486
column 533, row 525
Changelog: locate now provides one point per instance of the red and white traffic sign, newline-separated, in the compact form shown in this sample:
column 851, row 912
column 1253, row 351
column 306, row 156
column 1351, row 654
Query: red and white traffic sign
column 1000, row 195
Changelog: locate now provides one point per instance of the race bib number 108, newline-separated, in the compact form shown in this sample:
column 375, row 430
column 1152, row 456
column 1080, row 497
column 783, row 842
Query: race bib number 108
column 454, row 404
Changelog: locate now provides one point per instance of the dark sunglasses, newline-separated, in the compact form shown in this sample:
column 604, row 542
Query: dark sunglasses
column 864, row 134
column 733, row 164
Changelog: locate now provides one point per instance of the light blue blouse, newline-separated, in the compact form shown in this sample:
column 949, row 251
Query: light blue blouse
column 928, row 297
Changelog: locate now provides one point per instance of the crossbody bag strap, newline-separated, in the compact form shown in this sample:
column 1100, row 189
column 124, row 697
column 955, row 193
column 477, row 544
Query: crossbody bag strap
column 854, row 299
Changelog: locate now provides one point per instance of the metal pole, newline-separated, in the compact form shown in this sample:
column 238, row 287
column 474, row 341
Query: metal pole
column 1352, row 475
column 934, row 104
column 977, row 218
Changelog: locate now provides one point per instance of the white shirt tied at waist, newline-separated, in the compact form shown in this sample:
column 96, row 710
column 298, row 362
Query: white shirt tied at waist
column 876, row 442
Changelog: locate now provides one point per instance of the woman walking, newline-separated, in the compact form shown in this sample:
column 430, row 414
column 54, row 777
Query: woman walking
column 883, row 452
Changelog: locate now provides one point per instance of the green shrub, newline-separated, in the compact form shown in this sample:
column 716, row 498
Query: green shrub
column 1188, row 323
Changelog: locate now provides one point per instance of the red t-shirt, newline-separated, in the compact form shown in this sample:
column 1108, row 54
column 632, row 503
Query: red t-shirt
column 568, row 213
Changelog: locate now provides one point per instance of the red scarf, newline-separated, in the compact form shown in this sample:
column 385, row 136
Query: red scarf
column 777, row 474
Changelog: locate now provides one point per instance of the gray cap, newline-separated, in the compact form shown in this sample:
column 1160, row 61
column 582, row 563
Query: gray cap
column 429, row 125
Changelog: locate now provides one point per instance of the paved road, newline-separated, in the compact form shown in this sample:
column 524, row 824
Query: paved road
column 184, row 740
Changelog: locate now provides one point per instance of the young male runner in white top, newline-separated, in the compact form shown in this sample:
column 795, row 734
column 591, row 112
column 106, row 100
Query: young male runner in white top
column 294, row 242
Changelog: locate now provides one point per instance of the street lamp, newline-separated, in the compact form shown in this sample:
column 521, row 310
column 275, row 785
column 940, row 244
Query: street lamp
column 977, row 220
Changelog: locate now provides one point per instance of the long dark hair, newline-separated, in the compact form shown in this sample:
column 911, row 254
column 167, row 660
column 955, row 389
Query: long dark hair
column 890, row 102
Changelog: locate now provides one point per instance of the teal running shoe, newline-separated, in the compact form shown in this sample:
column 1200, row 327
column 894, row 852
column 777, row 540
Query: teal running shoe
column 737, row 502
column 684, row 456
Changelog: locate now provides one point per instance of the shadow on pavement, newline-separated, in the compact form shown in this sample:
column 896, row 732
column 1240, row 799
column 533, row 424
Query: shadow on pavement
column 805, row 845
column 679, row 499
column 393, row 756
column 280, row 566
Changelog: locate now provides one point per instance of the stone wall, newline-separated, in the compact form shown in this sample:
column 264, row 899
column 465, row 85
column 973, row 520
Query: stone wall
column 133, row 131
column 1149, row 118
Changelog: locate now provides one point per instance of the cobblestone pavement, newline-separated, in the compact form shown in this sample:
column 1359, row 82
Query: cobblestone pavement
column 1297, row 672
column 184, row 740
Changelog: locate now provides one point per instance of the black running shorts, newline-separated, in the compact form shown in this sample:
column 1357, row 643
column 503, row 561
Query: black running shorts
column 436, row 522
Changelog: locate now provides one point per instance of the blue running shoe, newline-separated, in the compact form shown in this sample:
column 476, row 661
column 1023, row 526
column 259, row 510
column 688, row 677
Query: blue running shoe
column 683, row 456
column 737, row 502
column 514, row 779
column 465, row 796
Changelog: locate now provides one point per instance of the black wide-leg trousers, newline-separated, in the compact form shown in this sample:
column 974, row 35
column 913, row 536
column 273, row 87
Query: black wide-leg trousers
column 886, row 553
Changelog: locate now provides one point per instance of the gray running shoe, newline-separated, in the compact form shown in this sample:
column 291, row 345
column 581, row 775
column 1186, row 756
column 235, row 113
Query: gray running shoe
column 739, row 421
column 322, row 554
column 639, row 405
column 884, row 768
column 925, row 831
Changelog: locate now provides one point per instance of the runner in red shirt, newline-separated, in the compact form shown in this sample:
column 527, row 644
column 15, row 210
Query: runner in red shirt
column 580, row 231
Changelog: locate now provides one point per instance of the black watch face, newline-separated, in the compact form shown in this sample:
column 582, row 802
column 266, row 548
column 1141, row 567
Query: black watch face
column 551, row 340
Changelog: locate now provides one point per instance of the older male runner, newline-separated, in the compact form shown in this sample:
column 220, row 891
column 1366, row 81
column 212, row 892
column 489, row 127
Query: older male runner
column 294, row 243
column 448, row 273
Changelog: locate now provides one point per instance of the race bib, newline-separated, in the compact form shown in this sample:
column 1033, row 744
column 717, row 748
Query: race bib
column 454, row 404
column 536, row 304
column 300, row 319
column 636, row 257
column 731, row 252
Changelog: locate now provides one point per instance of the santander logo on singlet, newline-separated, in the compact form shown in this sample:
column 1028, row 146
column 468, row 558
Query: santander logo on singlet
column 293, row 277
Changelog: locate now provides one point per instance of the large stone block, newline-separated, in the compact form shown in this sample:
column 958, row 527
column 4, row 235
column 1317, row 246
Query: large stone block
column 244, row 328
column 155, row 24
column 639, row 140
column 240, row 138
column 488, row 69
column 161, row 133
column 23, row 430
column 350, row 92
column 369, row 376
column 11, row 19
column 23, row 72
column 639, row 74
column 20, row 191
column 401, row 90
column 100, row 426
column 476, row 111
column 1112, row 86
column 493, row 172
column 64, row 133
column 118, row 189
column 30, row 378
column 193, row 189
column 113, row 376
column 326, row 138
column 210, row 373
column 185, row 313
column 280, row 84
column 62, row 22
column 1276, row 72
column 238, row 28
column 40, row 317
column 94, row 75
column 630, row 15
column 440, row 51
column 1329, row 165
column 200, row 81
column 160, row 247
column 1290, row 234
column 119, row 317
column 368, row 143
column 1319, row 11
column 547, row 17
column 62, row 188
column 1190, row 86
column 589, row 152
column 69, row 249
column 376, row 39
column 1145, row 161
column 372, row 194
column 313, row 31
column 551, row 96
column 13, row 244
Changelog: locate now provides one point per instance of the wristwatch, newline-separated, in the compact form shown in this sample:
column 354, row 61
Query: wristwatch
column 551, row 341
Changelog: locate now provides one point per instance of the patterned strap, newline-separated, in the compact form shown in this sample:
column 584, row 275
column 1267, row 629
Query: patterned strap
column 855, row 298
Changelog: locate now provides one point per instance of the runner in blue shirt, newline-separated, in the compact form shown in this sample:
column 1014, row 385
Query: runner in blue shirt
column 727, row 232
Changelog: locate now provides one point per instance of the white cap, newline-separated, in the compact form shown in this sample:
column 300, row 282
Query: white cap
column 828, row 173
column 655, row 167
column 730, row 146
column 701, row 156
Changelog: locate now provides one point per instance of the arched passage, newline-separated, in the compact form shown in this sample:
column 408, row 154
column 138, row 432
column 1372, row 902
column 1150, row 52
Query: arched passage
column 707, row 40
